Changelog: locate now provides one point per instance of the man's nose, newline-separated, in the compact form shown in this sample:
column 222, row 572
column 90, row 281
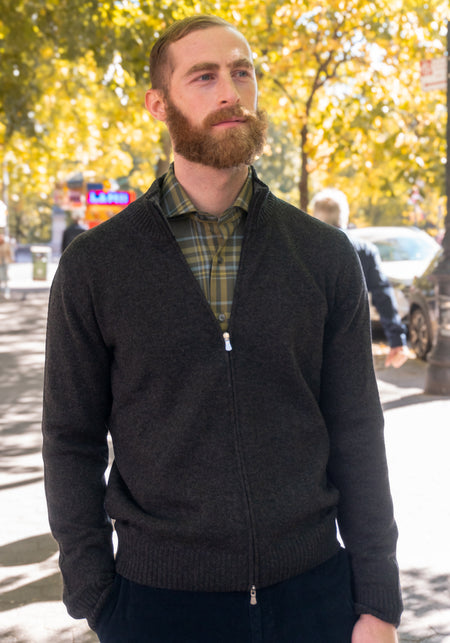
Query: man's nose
column 228, row 93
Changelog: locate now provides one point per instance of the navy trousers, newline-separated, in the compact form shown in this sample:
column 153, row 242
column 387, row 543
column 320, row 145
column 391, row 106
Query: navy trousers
column 315, row 607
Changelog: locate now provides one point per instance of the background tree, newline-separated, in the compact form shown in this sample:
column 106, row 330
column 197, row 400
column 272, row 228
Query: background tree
column 340, row 82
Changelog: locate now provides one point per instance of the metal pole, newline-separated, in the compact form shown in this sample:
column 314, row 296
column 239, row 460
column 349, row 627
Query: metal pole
column 437, row 380
column 5, row 190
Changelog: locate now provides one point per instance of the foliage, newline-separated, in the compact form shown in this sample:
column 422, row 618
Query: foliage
column 341, row 82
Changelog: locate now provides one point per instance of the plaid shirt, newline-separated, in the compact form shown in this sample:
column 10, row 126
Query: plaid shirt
column 211, row 245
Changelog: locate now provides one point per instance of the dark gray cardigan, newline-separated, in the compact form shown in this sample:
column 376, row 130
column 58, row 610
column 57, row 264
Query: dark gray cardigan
column 231, row 466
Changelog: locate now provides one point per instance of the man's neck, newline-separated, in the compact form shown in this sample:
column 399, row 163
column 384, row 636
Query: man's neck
column 210, row 190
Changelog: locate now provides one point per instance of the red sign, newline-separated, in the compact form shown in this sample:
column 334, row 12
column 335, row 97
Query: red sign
column 100, row 197
column 102, row 205
column 433, row 73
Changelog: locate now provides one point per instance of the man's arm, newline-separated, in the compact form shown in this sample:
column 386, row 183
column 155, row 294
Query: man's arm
column 397, row 356
column 357, row 464
column 383, row 299
column 76, row 409
column 369, row 629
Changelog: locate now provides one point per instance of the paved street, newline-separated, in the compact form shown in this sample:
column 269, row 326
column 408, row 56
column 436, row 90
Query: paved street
column 418, row 442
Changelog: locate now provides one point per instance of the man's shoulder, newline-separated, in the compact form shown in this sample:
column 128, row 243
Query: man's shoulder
column 117, row 235
column 288, row 214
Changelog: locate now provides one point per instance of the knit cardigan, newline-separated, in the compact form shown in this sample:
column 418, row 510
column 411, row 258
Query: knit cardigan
column 233, row 455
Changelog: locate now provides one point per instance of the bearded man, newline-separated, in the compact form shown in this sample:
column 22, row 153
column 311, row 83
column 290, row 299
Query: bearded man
column 222, row 338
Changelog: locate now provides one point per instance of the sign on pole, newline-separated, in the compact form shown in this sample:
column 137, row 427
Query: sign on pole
column 103, row 204
column 433, row 73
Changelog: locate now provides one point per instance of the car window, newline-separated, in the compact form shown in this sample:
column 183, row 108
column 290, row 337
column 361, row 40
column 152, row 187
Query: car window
column 405, row 249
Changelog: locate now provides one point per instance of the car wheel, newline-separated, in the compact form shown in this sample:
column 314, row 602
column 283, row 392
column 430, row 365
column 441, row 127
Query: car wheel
column 420, row 333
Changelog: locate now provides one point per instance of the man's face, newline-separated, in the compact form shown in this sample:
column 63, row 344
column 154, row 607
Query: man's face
column 328, row 214
column 211, row 99
column 222, row 148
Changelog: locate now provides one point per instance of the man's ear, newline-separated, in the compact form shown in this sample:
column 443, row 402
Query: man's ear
column 155, row 104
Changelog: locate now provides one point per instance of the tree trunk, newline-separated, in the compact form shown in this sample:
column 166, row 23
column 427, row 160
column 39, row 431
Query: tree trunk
column 303, row 184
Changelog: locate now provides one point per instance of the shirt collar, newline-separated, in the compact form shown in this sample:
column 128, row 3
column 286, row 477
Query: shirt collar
column 175, row 201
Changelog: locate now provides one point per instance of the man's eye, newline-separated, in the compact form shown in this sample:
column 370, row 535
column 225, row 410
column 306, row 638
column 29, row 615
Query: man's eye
column 205, row 77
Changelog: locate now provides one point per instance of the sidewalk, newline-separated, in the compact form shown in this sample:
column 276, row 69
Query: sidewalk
column 417, row 431
column 30, row 586
column 417, row 438
column 21, row 282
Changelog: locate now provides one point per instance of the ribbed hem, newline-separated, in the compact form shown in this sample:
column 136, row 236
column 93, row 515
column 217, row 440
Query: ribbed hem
column 181, row 568
column 299, row 555
column 215, row 570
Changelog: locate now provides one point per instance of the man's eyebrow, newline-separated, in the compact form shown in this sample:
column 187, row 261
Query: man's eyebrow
column 206, row 66
column 198, row 67
column 242, row 62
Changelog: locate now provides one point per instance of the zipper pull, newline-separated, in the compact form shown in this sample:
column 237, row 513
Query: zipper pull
column 253, row 600
column 226, row 337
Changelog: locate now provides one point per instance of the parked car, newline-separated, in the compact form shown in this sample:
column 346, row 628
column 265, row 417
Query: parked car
column 423, row 310
column 405, row 253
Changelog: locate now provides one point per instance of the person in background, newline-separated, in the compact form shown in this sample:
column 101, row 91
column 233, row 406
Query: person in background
column 6, row 257
column 73, row 230
column 331, row 206
column 222, row 337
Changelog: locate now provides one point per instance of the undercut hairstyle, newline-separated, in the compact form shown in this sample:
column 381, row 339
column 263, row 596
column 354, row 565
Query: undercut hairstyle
column 160, row 66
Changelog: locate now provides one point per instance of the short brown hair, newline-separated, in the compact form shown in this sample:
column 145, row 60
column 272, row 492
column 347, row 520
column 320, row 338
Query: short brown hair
column 159, row 60
column 331, row 205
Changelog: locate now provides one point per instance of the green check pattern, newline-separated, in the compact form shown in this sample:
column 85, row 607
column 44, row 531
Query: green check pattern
column 211, row 245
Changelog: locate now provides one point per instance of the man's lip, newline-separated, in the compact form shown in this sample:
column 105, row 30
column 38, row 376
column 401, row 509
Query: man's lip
column 231, row 121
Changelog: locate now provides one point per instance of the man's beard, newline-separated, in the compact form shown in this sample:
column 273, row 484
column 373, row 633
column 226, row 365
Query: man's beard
column 223, row 149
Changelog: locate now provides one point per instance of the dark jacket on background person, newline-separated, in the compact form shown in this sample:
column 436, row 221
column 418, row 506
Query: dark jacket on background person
column 383, row 297
column 70, row 233
column 234, row 455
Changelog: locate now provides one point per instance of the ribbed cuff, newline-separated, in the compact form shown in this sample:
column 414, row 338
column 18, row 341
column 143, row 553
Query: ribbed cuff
column 387, row 606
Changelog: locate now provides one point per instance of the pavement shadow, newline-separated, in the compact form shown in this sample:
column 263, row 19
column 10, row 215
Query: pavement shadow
column 408, row 400
column 28, row 550
column 31, row 594
column 13, row 636
column 43, row 590
column 22, row 341
column 20, row 450
column 426, row 597
column 411, row 376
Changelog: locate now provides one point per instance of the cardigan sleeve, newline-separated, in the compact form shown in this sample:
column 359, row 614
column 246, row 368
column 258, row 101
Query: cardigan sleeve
column 357, row 464
column 75, row 450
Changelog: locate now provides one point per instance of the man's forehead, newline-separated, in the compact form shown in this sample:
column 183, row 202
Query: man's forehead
column 206, row 46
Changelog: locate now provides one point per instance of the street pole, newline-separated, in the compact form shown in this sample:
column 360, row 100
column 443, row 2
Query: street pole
column 437, row 380
column 5, row 189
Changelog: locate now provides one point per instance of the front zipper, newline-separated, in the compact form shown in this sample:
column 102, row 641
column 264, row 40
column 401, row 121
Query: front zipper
column 229, row 348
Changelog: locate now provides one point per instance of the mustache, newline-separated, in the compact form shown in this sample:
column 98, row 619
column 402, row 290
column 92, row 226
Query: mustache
column 227, row 114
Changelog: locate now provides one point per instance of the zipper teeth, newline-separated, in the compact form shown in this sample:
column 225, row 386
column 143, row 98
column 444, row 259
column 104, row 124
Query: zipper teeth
column 252, row 543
